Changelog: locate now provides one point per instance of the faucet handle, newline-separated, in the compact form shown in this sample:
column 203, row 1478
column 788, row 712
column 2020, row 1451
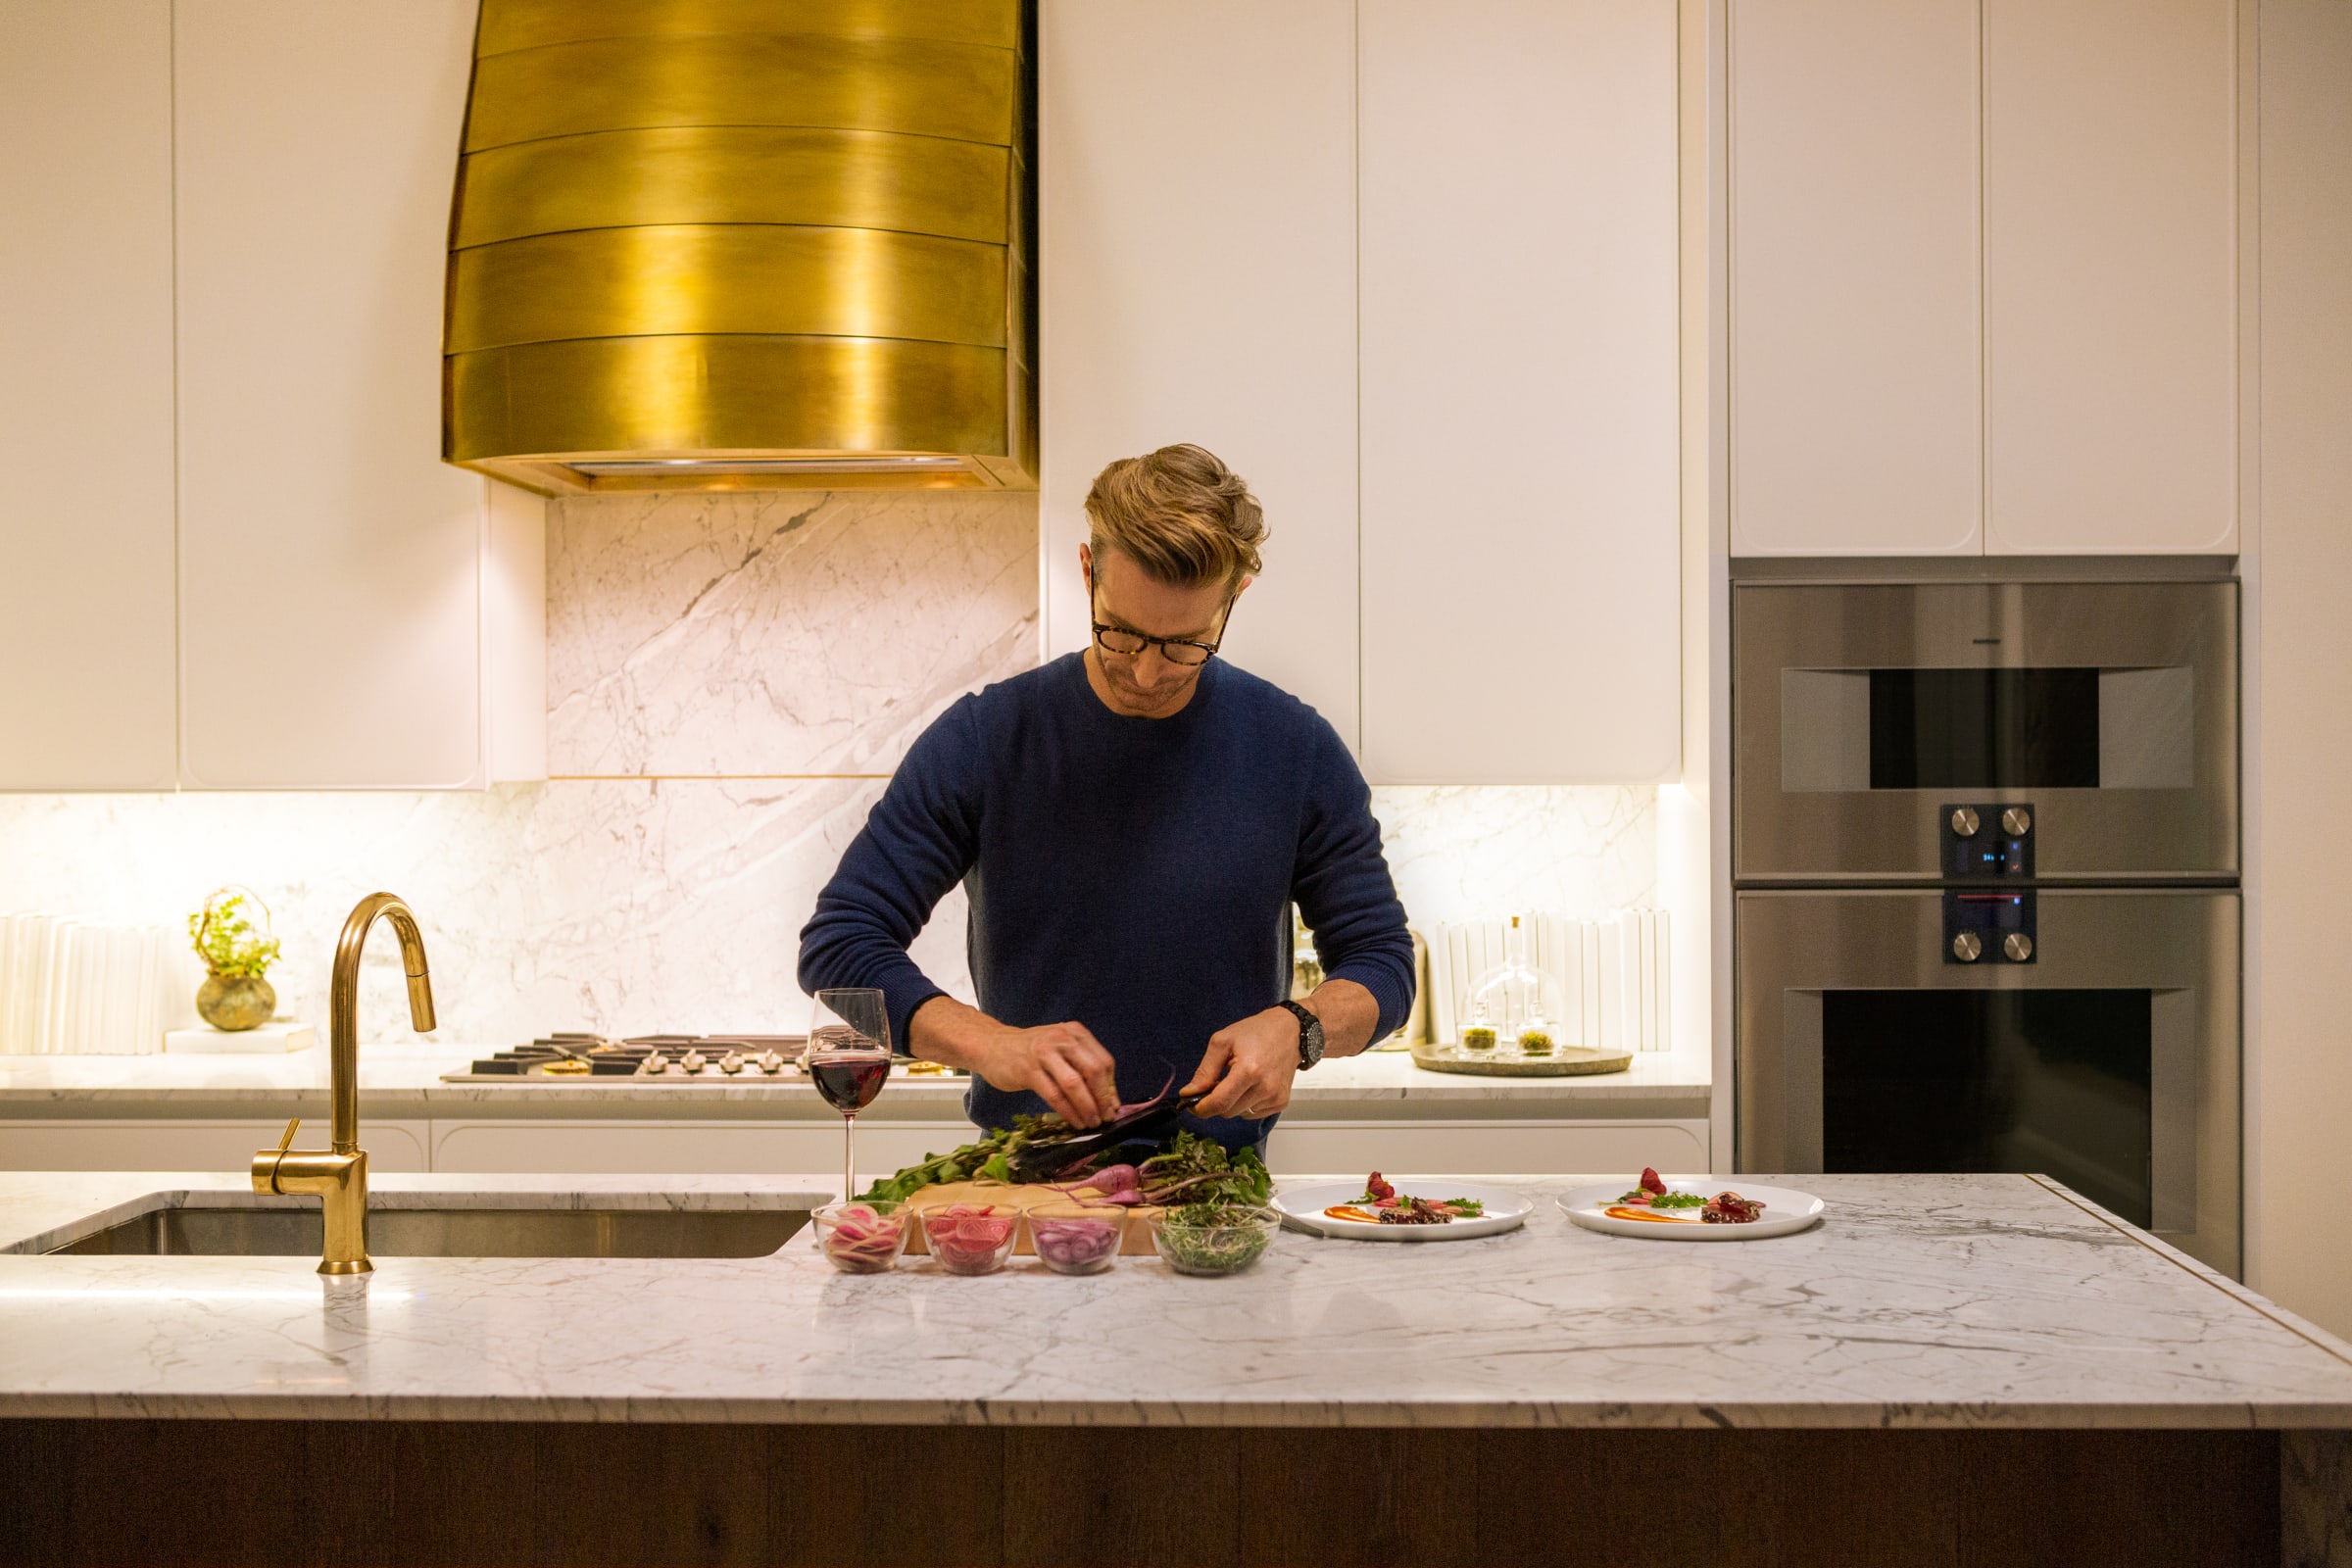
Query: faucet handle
column 268, row 1160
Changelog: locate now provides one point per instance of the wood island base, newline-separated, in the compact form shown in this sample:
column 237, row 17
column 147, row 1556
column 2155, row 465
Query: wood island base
column 347, row 1492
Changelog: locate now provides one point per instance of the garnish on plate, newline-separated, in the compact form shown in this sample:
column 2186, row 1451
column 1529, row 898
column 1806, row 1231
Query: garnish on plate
column 1629, row 1211
column 1382, row 1205
column 1649, row 1188
column 1651, row 1193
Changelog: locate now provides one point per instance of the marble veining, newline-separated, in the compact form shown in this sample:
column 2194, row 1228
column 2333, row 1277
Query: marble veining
column 788, row 632
column 1920, row 1302
column 1465, row 852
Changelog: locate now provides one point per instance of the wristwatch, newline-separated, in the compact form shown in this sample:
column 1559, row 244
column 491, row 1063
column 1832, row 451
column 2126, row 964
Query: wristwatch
column 1311, row 1035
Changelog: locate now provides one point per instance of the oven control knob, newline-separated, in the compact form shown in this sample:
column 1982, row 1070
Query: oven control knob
column 1964, row 823
column 2017, row 822
column 1967, row 947
column 2018, row 946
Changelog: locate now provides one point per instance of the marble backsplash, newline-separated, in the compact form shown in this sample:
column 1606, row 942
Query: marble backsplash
column 730, row 680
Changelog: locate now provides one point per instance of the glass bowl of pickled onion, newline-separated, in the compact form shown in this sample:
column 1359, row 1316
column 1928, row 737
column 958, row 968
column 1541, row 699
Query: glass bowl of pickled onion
column 1077, row 1238
column 865, row 1235
column 970, row 1238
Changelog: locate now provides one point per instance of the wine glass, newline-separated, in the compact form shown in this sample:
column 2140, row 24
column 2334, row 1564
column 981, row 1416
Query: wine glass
column 848, row 1057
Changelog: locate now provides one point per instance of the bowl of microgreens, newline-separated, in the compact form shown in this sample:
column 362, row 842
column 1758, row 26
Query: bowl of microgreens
column 1213, row 1239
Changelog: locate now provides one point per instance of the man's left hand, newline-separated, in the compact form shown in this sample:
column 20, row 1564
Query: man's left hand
column 1252, row 1064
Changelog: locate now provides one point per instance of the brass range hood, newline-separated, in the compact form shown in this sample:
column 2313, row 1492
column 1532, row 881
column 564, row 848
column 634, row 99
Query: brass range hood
column 745, row 245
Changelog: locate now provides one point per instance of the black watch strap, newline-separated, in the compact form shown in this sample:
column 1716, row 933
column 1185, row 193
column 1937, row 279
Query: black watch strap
column 1311, row 1035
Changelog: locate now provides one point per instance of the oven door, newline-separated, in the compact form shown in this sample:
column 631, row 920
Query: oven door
column 2109, row 1061
column 1863, row 713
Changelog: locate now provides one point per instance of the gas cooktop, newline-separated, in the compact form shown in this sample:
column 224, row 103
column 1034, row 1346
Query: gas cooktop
column 656, row 1060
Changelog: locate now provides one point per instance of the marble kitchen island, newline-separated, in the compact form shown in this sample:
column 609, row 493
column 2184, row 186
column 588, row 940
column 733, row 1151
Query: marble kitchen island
column 1950, row 1369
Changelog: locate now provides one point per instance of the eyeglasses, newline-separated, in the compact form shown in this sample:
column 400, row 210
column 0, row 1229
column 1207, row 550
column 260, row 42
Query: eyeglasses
column 1183, row 650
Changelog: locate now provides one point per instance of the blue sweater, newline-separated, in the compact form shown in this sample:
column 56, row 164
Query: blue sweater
column 1131, row 874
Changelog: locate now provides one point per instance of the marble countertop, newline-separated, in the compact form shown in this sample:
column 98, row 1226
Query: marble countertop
column 1919, row 1302
column 394, row 1082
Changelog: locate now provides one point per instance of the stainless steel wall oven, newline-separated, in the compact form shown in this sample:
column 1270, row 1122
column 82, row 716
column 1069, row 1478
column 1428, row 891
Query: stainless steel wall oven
column 1986, row 852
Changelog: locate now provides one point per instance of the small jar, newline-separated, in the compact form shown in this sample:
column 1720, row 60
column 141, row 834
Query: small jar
column 1535, row 1042
column 1478, row 1037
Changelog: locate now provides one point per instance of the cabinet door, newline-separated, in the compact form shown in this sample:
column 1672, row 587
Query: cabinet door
column 1855, row 355
column 1196, row 187
column 1486, row 1148
column 86, row 395
column 1520, row 531
column 169, row 1143
column 644, row 1148
column 2111, row 236
column 330, row 561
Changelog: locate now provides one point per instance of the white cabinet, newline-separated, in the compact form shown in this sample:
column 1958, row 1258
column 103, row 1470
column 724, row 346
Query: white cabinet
column 173, row 1143
column 1215, row 176
column 86, row 395
column 650, row 1148
column 1301, row 1147
column 1519, row 341
column 1984, row 293
column 1856, row 396
column 2111, row 236
column 333, row 628
column 230, row 555
column 1196, row 194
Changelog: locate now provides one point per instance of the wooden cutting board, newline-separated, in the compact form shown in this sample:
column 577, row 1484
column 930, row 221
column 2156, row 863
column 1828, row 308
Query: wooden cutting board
column 1135, row 1242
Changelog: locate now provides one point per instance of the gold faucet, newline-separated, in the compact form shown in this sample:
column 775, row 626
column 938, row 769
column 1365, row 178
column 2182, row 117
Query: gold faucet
column 339, row 1175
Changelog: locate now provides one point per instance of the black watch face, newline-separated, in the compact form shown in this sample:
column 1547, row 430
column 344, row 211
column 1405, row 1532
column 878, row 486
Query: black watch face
column 1311, row 1038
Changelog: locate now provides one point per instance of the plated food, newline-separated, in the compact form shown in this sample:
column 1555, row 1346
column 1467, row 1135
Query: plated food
column 1700, row 1208
column 1726, row 1207
column 1380, row 1204
column 1442, row 1210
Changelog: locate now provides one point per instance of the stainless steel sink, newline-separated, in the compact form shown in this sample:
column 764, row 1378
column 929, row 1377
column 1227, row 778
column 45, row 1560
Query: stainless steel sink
column 453, row 1233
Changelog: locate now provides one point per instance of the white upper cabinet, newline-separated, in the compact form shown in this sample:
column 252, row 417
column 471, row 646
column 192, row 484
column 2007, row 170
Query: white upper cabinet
column 1520, row 452
column 1984, row 291
column 331, row 564
column 86, row 395
column 1196, row 193
column 2111, row 236
column 1854, row 358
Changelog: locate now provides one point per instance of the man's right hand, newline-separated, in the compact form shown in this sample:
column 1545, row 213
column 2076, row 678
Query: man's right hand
column 1062, row 1063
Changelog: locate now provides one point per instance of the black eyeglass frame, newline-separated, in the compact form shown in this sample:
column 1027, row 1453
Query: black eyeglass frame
column 1208, row 650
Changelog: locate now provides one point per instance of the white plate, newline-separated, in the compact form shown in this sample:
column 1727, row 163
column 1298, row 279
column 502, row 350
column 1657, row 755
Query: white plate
column 1786, row 1210
column 1302, row 1209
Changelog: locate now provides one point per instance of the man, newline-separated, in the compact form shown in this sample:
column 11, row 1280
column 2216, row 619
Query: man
column 1132, row 823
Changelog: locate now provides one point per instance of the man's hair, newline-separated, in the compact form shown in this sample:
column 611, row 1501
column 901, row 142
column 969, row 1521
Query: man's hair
column 1179, row 514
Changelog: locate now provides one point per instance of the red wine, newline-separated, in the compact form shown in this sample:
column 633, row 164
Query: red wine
column 849, row 1080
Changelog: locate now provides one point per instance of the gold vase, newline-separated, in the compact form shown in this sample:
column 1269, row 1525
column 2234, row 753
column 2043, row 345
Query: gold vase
column 233, row 1002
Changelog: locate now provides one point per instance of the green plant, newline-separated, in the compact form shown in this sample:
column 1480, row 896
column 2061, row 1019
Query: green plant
column 225, row 940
